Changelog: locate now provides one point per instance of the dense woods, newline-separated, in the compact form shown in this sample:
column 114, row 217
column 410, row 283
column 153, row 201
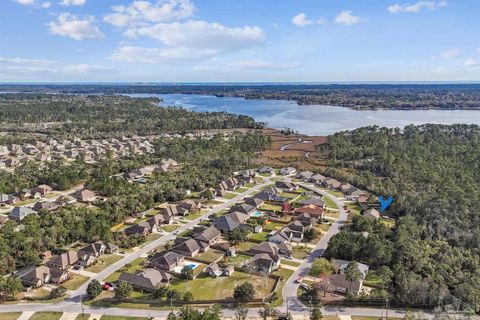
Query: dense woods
column 433, row 173
column 358, row 96
column 102, row 116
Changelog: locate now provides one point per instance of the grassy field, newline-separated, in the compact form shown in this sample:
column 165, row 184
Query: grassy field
column 284, row 274
column 272, row 226
column 289, row 195
column 238, row 260
column 194, row 216
column 46, row 316
column 261, row 236
column 334, row 193
column 229, row 195
column 205, row 287
column 245, row 246
column 131, row 267
column 211, row 255
column 332, row 213
column 329, row 203
column 300, row 252
column 290, row 263
column 169, row 227
column 102, row 262
column 271, row 207
column 151, row 237
column 75, row 282
column 84, row 316
column 354, row 208
column 10, row 315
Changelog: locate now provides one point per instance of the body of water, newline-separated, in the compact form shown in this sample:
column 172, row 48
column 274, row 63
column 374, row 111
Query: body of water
column 314, row 119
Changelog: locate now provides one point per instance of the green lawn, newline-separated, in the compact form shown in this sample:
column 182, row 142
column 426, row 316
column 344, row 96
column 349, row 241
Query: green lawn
column 194, row 216
column 271, row 207
column 102, row 262
column 289, row 195
column 25, row 202
column 329, row 203
column 300, row 252
column 205, row 287
column 245, row 246
column 238, row 260
column 169, row 227
column 249, row 185
column 335, row 193
column 84, row 316
column 211, row 255
column 354, row 208
column 131, row 267
column 273, row 226
column 46, row 316
column 261, row 236
column 229, row 195
column 75, row 282
column 10, row 315
column 290, row 263
column 242, row 190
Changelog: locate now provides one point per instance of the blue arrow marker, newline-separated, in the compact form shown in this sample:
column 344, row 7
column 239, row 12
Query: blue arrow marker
column 384, row 203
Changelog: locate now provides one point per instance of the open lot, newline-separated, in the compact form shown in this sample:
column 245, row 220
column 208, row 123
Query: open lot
column 301, row 252
column 75, row 282
column 211, row 255
column 245, row 246
column 10, row 315
column 206, row 288
column 131, row 267
column 238, row 260
column 102, row 262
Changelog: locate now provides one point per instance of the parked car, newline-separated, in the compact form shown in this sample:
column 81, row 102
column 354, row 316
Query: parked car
column 298, row 280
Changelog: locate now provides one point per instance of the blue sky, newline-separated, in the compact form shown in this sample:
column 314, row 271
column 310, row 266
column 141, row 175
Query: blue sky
column 239, row 40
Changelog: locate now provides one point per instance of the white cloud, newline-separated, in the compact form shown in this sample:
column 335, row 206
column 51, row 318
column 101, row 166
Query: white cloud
column 301, row 20
column 346, row 17
column 73, row 3
column 22, row 68
column 472, row 63
column 451, row 54
column 190, row 40
column 141, row 12
column 25, row 2
column 75, row 27
column 46, row 5
column 417, row 7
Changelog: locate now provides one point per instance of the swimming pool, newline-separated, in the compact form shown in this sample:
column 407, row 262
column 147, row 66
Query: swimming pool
column 256, row 214
column 192, row 265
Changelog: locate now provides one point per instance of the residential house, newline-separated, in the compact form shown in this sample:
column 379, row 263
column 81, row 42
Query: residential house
column 45, row 205
column 137, row 229
column 340, row 284
column 314, row 200
column 38, row 276
column 265, row 169
column 371, row 214
column 99, row 248
column 166, row 260
column 188, row 247
column 209, row 235
column 340, row 265
column 296, row 229
column 64, row 260
column 288, row 171
column 272, row 248
column 19, row 213
column 215, row 271
column 244, row 208
column 4, row 198
column 190, row 205
column 43, row 189
column 146, row 280
column 285, row 186
column 263, row 262
column 254, row 201
column 312, row 210
column 85, row 195
column 280, row 237
column 332, row 183
column 317, row 178
column 305, row 175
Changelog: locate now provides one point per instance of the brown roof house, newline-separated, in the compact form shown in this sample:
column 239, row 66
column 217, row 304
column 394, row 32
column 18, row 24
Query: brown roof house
column 145, row 280
column 272, row 248
column 312, row 210
column 264, row 262
column 45, row 205
column 187, row 247
column 41, row 275
column 371, row 214
column 166, row 260
column 63, row 261
column 43, row 189
column 209, row 235
column 85, row 195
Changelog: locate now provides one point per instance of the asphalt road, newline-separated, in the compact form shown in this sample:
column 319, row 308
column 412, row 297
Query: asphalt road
column 290, row 288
